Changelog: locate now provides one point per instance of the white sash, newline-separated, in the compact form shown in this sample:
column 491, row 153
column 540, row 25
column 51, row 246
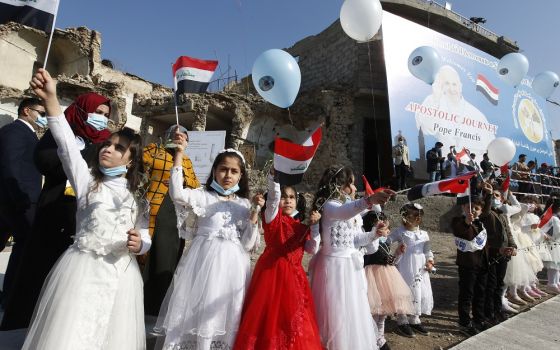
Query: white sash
column 473, row 245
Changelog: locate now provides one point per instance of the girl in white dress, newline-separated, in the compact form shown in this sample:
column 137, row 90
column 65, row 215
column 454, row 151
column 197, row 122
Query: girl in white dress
column 92, row 298
column 415, row 263
column 519, row 272
column 338, row 281
column 552, row 263
column 203, row 305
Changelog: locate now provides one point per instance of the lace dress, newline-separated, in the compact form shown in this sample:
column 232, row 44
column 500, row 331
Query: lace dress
column 92, row 298
column 278, row 312
column 338, row 281
column 203, row 305
column 411, row 266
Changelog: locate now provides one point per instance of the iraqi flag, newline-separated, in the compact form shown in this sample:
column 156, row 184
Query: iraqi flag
column 545, row 218
column 463, row 157
column 292, row 160
column 192, row 74
column 487, row 89
column 367, row 188
column 459, row 184
column 38, row 14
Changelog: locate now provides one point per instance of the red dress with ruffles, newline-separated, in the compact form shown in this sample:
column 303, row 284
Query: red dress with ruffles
column 278, row 312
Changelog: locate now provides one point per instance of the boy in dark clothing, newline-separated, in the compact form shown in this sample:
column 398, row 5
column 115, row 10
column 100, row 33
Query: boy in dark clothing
column 472, row 261
column 500, row 248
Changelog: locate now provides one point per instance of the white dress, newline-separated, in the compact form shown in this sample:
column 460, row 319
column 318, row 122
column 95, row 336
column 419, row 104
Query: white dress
column 553, row 243
column 411, row 266
column 338, row 280
column 93, row 296
column 537, row 237
column 519, row 270
column 203, row 305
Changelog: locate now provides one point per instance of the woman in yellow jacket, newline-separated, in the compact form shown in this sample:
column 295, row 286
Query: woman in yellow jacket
column 167, row 247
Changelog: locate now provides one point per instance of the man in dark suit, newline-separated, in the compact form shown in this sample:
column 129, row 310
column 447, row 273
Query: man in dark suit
column 20, row 181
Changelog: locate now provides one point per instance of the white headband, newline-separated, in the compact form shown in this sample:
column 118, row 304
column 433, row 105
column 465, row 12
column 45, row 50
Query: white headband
column 231, row 150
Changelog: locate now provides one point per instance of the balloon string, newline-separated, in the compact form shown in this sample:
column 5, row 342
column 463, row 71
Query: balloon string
column 290, row 117
column 373, row 108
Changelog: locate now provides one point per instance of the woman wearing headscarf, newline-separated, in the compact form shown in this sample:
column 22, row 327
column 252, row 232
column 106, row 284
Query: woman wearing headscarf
column 55, row 222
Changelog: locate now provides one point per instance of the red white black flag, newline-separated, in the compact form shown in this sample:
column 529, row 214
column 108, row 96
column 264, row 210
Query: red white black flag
column 192, row 74
column 292, row 160
column 459, row 184
column 38, row 14
column 545, row 218
column 463, row 157
column 487, row 89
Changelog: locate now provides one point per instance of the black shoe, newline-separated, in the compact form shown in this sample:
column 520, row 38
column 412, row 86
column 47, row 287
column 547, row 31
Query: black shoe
column 385, row 347
column 480, row 326
column 406, row 331
column 418, row 328
column 468, row 330
column 501, row 317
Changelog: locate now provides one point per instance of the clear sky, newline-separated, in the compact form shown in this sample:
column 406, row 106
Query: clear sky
column 145, row 37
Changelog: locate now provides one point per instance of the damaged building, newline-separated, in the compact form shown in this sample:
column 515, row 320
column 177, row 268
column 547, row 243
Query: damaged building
column 344, row 88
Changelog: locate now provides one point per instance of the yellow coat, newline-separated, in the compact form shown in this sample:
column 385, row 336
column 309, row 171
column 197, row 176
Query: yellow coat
column 158, row 163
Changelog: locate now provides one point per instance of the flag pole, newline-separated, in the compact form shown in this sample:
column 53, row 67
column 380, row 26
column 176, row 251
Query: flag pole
column 175, row 96
column 469, row 195
column 51, row 36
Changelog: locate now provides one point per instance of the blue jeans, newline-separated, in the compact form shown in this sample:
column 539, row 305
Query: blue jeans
column 435, row 176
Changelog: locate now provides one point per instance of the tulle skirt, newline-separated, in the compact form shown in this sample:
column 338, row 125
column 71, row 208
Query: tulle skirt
column 90, row 302
column 339, row 290
column 541, row 247
column 388, row 293
column 205, row 299
column 554, row 250
column 278, row 313
column 530, row 251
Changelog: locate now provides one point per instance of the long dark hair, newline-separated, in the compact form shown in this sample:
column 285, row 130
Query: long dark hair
column 332, row 181
column 135, row 172
column 243, row 179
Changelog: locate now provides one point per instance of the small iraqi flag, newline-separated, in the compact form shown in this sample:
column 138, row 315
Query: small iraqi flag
column 292, row 160
column 192, row 74
column 487, row 89
column 367, row 188
column 459, row 184
column 545, row 218
column 38, row 14
column 463, row 157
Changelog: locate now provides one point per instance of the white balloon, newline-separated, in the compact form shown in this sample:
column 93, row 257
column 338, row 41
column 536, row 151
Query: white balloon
column 545, row 83
column 501, row 151
column 361, row 19
column 513, row 67
column 424, row 62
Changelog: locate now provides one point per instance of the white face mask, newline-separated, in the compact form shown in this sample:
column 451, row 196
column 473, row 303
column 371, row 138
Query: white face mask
column 401, row 143
column 496, row 203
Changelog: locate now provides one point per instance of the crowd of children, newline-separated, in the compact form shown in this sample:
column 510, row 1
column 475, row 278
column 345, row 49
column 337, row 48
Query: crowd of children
column 361, row 271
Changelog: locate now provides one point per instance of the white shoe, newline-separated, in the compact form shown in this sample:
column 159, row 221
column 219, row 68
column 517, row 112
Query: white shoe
column 507, row 308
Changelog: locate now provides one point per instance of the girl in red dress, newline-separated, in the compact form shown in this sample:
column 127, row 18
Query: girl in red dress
column 278, row 312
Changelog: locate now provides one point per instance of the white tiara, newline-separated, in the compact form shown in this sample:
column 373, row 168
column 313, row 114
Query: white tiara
column 231, row 150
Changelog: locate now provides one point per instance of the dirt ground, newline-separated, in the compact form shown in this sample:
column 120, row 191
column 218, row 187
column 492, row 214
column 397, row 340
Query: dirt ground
column 442, row 324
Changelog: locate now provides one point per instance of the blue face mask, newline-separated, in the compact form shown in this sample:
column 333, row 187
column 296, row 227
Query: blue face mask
column 382, row 239
column 216, row 186
column 98, row 121
column 114, row 171
column 41, row 122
